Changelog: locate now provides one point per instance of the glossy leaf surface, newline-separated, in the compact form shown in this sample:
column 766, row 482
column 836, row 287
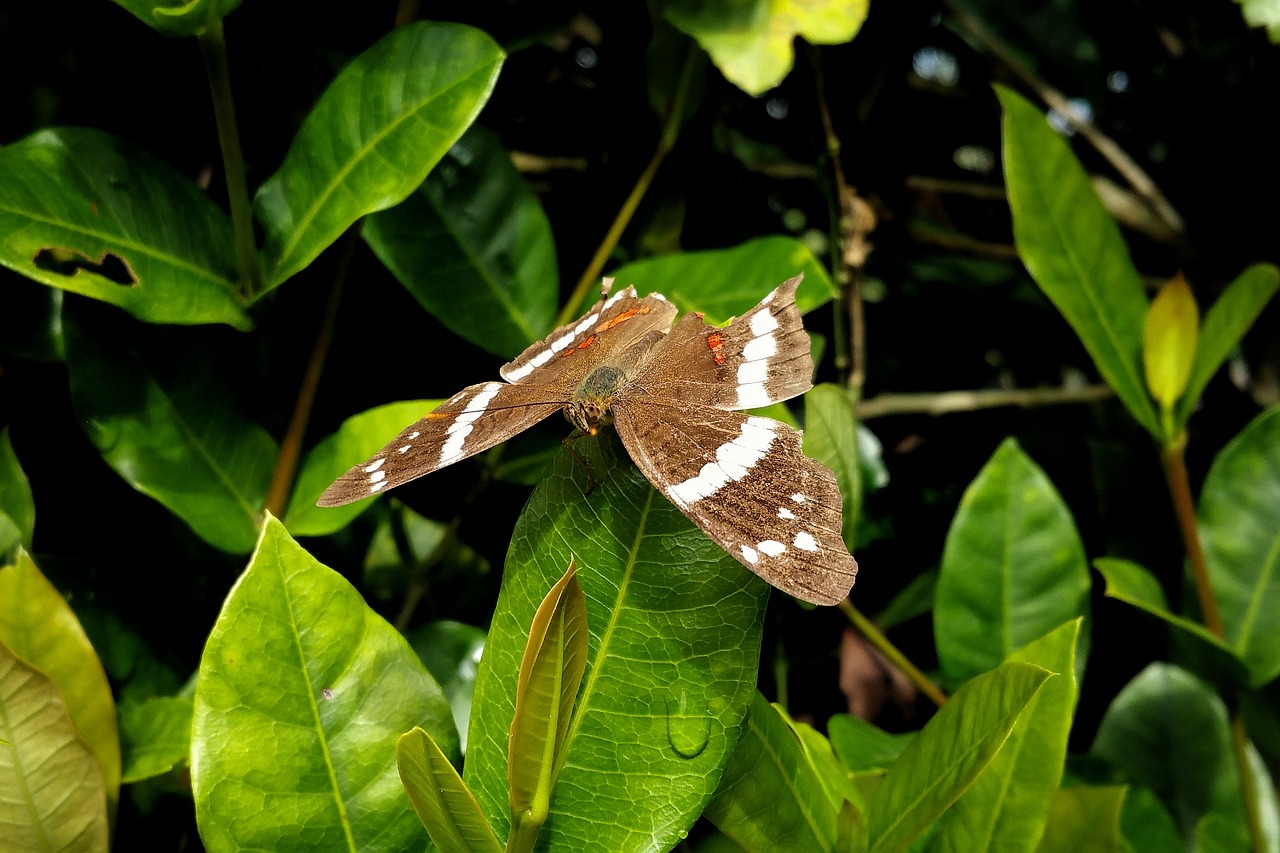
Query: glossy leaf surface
column 948, row 754
column 300, row 697
column 84, row 211
column 673, row 648
column 1013, row 567
column 51, row 790
column 444, row 805
column 38, row 625
column 1240, row 529
column 474, row 248
column 382, row 124
column 1073, row 249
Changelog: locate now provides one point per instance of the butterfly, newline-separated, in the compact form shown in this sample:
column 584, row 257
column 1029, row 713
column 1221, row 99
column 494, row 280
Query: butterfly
column 678, row 396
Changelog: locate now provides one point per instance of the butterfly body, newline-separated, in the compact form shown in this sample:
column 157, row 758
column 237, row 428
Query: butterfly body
column 674, row 394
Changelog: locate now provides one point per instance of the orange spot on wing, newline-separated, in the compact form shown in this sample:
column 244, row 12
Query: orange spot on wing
column 715, row 342
column 622, row 318
column 588, row 342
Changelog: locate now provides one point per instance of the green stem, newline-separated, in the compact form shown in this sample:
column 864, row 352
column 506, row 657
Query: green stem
column 1173, row 457
column 524, row 832
column 881, row 643
column 213, row 47
column 670, row 132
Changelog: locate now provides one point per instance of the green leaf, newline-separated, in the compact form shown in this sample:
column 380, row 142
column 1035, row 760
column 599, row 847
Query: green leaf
column 358, row 438
column 863, row 746
column 1146, row 825
column 1012, row 569
column 17, row 507
column 173, row 433
column 1240, row 527
column 86, row 212
column 474, row 247
column 38, row 625
column 949, row 753
column 51, row 791
column 1006, row 807
column 831, row 437
column 915, row 599
column 444, row 805
column 156, row 736
column 1133, row 584
column 750, row 42
column 771, row 796
column 177, row 18
column 451, row 652
column 724, row 283
column 550, row 675
column 301, row 694
column 675, row 628
column 382, row 124
column 1224, row 325
column 1073, row 249
column 1168, row 731
column 403, row 552
column 1084, row 820
column 1262, row 13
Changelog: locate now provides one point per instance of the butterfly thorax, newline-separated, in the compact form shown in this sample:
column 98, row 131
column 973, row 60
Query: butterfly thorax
column 593, row 400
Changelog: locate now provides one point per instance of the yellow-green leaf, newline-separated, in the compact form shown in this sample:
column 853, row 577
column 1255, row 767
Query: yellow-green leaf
column 550, row 674
column 1169, row 341
column 442, row 800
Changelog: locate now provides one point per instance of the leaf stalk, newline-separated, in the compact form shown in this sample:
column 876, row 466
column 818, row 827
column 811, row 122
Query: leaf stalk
column 881, row 643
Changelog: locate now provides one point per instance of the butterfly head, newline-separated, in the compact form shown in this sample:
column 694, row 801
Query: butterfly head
column 593, row 401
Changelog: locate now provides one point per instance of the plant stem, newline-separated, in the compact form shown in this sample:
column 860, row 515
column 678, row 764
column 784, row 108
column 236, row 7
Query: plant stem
column 291, row 445
column 946, row 402
column 523, row 834
column 881, row 643
column 670, row 132
column 1248, row 791
column 213, row 47
column 1173, row 456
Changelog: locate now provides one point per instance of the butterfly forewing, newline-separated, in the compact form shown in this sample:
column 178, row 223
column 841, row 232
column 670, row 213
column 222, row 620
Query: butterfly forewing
column 745, row 481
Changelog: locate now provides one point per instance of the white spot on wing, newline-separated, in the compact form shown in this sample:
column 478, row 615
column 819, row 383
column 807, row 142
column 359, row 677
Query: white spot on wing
column 771, row 547
column 753, row 396
column 750, row 555
column 375, row 466
column 798, row 498
column 763, row 323
column 404, row 449
column 374, row 487
column 805, row 542
column 414, row 434
column 765, row 346
column 752, row 371
column 377, row 476
column 785, row 514
column 463, row 423
column 734, row 459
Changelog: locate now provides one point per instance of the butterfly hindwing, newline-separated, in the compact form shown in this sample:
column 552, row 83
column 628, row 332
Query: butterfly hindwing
column 746, row 482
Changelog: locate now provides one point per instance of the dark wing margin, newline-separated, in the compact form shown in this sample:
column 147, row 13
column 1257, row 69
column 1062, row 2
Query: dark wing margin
column 746, row 482
column 474, row 419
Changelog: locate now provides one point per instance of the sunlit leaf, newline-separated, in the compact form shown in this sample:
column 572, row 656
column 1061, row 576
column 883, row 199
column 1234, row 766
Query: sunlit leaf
column 863, row 746
column 51, row 791
column 301, row 694
column 382, row 124
column 1073, row 249
column 474, row 248
column 177, row 18
column 86, row 212
column 444, row 805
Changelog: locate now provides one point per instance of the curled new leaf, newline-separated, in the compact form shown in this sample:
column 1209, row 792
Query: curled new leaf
column 444, row 805
column 550, row 674
column 1169, row 341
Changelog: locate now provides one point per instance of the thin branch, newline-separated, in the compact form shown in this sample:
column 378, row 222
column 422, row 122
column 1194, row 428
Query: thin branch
column 291, row 444
column 881, row 643
column 946, row 402
column 1125, row 165
column 213, row 47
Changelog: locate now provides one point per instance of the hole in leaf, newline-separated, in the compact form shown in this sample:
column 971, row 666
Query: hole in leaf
column 69, row 262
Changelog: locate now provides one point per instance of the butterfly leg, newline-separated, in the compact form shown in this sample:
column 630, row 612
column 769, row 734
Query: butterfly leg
column 577, row 457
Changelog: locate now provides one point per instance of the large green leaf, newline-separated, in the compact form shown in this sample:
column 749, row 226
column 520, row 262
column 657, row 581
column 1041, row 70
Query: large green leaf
column 863, row 746
column 17, row 507
column 725, row 283
column 1131, row 583
column 172, row 433
column 155, row 735
column 51, row 791
column 1006, row 807
column 386, row 119
column 831, row 437
column 1168, row 731
column 1240, row 528
column 1084, row 820
column 84, row 211
column 1073, row 249
column 771, row 796
column 300, row 696
column 751, row 42
column 1013, row 567
column 1146, row 824
column 1225, row 324
column 444, row 805
column 358, row 438
column 451, row 652
column 38, row 625
column 674, row 645
column 177, row 18
column 948, row 754
column 474, row 248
